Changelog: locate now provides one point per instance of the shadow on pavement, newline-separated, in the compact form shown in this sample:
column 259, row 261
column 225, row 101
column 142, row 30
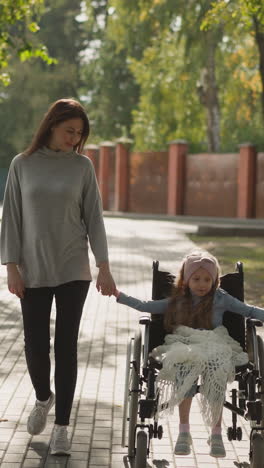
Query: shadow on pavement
column 161, row 463
column 130, row 463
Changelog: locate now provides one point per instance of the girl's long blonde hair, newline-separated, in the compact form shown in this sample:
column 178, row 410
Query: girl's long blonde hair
column 181, row 310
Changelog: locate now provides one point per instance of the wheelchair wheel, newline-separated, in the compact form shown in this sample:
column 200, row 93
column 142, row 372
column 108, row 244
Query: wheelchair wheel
column 126, row 392
column 131, row 393
column 141, row 450
column 261, row 372
column 257, row 447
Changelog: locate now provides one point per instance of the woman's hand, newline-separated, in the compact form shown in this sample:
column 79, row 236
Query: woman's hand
column 105, row 282
column 14, row 281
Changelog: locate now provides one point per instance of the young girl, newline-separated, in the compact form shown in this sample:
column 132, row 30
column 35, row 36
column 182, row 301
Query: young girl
column 197, row 343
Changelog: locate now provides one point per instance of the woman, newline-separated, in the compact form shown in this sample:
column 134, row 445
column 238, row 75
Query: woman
column 51, row 208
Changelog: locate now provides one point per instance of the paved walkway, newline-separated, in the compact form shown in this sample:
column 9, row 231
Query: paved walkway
column 97, row 412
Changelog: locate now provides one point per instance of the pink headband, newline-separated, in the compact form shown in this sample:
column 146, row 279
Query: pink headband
column 194, row 262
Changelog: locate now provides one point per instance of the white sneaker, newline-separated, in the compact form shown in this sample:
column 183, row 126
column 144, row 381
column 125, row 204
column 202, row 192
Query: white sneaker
column 60, row 444
column 37, row 419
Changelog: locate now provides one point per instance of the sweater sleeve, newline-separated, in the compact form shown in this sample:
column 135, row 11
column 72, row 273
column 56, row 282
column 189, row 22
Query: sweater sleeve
column 11, row 225
column 92, row 213
column 234, row 305
column 153, row 307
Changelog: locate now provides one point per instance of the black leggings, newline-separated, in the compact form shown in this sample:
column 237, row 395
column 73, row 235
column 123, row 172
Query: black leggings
column 36, row 310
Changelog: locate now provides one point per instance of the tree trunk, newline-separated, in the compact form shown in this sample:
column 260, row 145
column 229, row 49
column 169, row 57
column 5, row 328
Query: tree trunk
column 208, row 93
column 259, row 35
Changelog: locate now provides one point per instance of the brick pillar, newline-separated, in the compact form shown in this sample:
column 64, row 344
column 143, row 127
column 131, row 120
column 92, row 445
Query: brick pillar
column 176, row 176
column 104, row 171
column 246, row 196
column 92, row 151
column 121, row 174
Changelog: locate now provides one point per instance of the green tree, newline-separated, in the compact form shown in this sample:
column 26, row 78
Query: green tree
column 147, row 25
column 239, row 92
column 247, row 15
column 35, row 84
column 108, row 85
column 169, row 107
column 18, row 25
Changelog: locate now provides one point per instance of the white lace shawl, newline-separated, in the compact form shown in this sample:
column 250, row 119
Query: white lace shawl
column 188, row 354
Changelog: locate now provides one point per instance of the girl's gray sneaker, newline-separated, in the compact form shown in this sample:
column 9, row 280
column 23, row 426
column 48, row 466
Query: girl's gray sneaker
column 183, row 444
column 37, row 419
column 60, row 444
column 217, row 448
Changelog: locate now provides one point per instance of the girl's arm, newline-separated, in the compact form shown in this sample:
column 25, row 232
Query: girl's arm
column 234, row 305
column 152, row 307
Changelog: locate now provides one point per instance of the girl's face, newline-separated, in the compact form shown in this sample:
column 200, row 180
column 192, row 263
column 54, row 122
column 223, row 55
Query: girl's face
column 66, row 135
column 201, row 282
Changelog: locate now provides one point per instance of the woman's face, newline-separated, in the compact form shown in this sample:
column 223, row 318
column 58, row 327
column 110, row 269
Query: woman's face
column 66, row 135
column 201, row 282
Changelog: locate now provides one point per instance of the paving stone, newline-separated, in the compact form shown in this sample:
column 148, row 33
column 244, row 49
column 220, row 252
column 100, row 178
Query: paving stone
column 58, row 461
column 33, row 464
column 80, row 447
column 99, row 461
column 76, row 464
column 10, row 465
column 82, row 456
column 101, row 444
column 97, row 414
column 13, row 458
column 82, row 432
column 32, row 455
column 81, row 440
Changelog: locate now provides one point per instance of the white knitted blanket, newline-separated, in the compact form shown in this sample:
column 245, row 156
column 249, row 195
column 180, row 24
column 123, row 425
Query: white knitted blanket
column 188, row 354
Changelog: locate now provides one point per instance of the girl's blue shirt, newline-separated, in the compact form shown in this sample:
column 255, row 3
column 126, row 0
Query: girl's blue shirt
column 222, row 302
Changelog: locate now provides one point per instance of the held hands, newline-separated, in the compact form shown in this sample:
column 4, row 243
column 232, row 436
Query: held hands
column 14, row 281
column 105, row 282
column 116, row 293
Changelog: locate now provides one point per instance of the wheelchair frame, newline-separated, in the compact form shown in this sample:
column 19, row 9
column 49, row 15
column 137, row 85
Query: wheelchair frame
column 140, row 397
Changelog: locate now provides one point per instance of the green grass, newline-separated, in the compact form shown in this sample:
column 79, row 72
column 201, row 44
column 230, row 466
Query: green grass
column 250, row 251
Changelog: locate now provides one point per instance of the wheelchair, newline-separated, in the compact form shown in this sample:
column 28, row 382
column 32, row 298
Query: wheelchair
column 140, row 422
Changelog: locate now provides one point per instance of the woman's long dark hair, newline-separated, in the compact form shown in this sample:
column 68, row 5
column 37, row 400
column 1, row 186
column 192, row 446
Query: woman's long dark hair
column 181, row 310
column 60, row 111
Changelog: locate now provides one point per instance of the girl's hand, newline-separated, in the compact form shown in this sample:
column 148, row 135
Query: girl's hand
column 117, row 293
column 105, row 282
column 14, row 281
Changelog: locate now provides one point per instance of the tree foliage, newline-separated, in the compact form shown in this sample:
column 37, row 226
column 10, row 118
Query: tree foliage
column 35, row 84
column 247, row 15
column 109, row 88
column 152, row 70
column 241, row 12
column 174, row 29
column 18, row 25
column 171, row 55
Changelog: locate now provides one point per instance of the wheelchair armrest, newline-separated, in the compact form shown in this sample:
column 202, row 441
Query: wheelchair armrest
column 144, row 320
column 251, row 322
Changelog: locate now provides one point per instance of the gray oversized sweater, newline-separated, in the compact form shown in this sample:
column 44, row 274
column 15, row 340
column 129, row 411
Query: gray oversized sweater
column 52, row 207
